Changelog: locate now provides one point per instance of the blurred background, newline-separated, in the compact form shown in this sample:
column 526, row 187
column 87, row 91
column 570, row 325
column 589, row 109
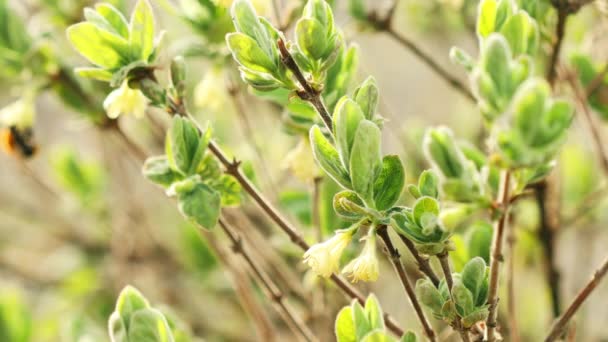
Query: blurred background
column 78, row 221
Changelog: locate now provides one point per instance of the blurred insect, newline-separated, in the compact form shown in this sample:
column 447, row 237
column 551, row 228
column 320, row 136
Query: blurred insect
column 19, row 142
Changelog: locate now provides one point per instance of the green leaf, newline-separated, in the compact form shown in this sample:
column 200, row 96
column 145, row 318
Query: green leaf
column 362, row 325
column 311, row 38
column 15, row 317
column 100, row 47
column 348, row 205
column 426, row 214
column 374, row 312
column 474, row 317
column 365, row 160
column 479, row 240
column 463, row 298
column 346, row 119
column 473, row 275
column 521, row 32
column 345, row 326
column 247, row 22
column 409, row 337
column 141, row 31
column 130, row 301
column 486, row 17
column 441, row 149
column 428, row 184
column 389, row 183
column 367, row 97
column 201, row 204
column 115, row 18
column 94, row 73
column 117, row 329
column 495, row 60
column 149, row 325
column 249, row 54
column 157, row 170
column 328, row 158
column 429, row 295
column 183, row 146
column 230, row 190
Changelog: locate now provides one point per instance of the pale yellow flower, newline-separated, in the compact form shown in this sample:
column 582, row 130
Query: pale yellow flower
column 211, row 93
column 20, row 113
column 366, row 266
column 301, row 162
column 125, row 100
column 324, row 258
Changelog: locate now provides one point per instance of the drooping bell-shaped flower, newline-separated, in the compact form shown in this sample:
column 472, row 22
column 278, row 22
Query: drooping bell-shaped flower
column 366, row 266
column 20, row 114
column 324, row 258
column 125, row 100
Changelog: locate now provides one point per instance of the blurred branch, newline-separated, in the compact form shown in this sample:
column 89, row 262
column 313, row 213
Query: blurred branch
column 256, row 312
column 586, row 205
column 395, row 259
column 557, row 329
column 384, row 24
column 270, row 288
column 496, row 256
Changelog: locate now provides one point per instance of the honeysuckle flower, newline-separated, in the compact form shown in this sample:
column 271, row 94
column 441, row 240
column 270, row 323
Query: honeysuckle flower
column 301, row 162
column 125, row 100
column 20, row 113
column 211, row 93
column 324, row 258
column 366, row 266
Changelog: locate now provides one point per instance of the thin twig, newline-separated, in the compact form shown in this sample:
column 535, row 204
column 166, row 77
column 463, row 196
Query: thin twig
column 244, row 291
column 560, row 29
column 548, row 228
column 307, row 93
column 395, row 259
column 423, row 263
column 496, row 256
column 445, row 266
column 560, row 324
column 272, row 290
column 233, row 168
column 513, row 326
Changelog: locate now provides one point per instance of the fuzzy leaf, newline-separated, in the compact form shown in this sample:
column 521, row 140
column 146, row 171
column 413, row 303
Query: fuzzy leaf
column 100, row 47
column 248, row 53
column 374, row 312
column 141, row 31
column 149, row 325
column 367, row 97
column 345, row 326
column 328, row 158
column 200, row 204
column 389, row 183
column 365, row 159
column 346, row 119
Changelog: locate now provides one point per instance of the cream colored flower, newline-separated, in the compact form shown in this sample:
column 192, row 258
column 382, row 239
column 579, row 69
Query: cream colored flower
column 211, row 93
column 301, row 162
column 125, row 100
column 365, row 267
column 20, row 113
column 324, row 258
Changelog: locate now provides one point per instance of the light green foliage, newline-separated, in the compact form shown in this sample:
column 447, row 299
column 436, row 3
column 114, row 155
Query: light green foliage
column 188, row 172
column 318, row 42
column 117, row 48
column 356, row 161
column 587, row 72
column 421, row 224
column 356, row 323
column 84, row 179
column 254, row 47
column 470, row 292
column 460, row 180
column 516, row 25
column 14, row 42
column 538, row 127
column 15, row 318
column 135, row 320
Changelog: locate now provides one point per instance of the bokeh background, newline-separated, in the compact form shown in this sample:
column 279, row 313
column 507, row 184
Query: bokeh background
column 78, row 221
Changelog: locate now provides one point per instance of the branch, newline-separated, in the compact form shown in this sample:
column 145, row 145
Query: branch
column 445, row 266
column 394, row 257
column 513, row 326
column 308, row 93
column 560, row 29
column 423, row 263
column 560, row 324
column 271, row 289
column 496, row 255
column 232, row 168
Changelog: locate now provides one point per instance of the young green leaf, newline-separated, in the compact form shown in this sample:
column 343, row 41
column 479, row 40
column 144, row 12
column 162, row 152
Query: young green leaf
column 141, row 31
column 345, row 326
column 426, row 214
column 149, row 325
column 473, row 275
column 183, row 146
column 374, row 312
column 100, row 47
column 389, row 183
column 429, row 295
column 158, row 170
column 201, row 204
column 115, row 18
column 130, row 301
column 365, row 160
column 248, row 53
column 348, row 205
column 378, row 336
column 346, row 120
column 328, row 158
column 367, row 97
column 428, row 184
column 362, row 324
